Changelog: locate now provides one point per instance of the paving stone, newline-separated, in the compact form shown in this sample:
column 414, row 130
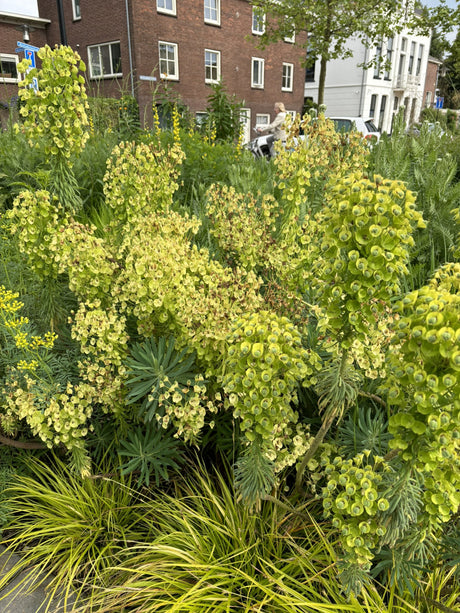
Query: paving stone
column 20, row 595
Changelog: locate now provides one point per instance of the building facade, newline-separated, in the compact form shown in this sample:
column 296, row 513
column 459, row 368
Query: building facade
column 148, row 47
column 433, row 72
column 397, row 79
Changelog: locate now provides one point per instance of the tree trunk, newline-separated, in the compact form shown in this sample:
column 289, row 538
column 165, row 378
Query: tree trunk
column 322, row 80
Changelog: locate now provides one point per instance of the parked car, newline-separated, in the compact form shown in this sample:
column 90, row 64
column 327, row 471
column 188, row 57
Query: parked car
column 365, row 126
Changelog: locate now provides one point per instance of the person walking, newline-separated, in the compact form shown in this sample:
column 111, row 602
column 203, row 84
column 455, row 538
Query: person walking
column 275, row 128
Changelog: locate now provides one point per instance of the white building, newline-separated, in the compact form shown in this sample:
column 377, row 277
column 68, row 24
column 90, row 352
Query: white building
column 379, row 91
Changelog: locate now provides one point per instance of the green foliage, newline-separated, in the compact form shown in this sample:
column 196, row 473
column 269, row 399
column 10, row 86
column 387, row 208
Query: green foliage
column 149, row 451
column 68, row 529
column 254, row 475
column 207, row 552
column 428, row 164
column 292, row 285
column 223, row 114
column 166, row 381
column 365, row 429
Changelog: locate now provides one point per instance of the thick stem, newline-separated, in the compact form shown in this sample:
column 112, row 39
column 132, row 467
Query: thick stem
column 327, row 423
column 20, row 444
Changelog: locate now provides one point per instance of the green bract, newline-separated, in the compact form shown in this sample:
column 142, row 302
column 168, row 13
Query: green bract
column 264, row 363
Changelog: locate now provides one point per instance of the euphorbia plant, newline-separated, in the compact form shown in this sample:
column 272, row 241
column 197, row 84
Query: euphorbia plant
column 55, row 115
column 365, row 234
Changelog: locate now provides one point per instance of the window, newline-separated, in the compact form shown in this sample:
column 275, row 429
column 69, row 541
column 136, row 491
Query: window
column 8, row 71
column 166, row 6
column 258, row 21
column 105, row 60
column 310, row 72
column 411, row 57
column 76, row 9
column 396, row 104
column 428, row 99
column 383, row 103
column 169, row 64
column 373, row 105
column 257, row 72
column 245, row 121
column 201, row 118
column 211, row 66
column 388, row 62
column 378, row 60
column 212, row 11
column 287, row 81
column 262, row 119
column 419, row 60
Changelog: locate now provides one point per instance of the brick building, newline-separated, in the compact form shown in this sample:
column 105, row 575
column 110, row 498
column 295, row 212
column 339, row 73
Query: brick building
column 431, row 81
column 144, row 46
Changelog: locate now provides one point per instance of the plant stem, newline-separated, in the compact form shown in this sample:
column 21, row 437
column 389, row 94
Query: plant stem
column 327, row 423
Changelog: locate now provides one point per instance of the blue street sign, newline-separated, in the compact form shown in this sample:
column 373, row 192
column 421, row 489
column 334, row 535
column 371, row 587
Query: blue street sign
column 439, row 102
column 28, row 47
column 30, row 55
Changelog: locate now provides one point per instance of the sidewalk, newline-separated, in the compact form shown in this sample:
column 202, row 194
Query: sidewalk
column 25, row 599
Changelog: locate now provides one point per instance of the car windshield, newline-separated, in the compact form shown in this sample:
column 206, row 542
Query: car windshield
column 343, row 125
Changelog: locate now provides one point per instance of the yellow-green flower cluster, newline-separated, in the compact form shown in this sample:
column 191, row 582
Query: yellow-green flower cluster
column 156, row 120
column 424, row 384
column 87, row 260
column 186, row 408
column 320, row 158
column 55, row 417
column 17, row 327
column 171, row 286
column 176, row 124
column 101, row 333
column 352, row 498
column 363, row 252
column 55, row 114
column 264, row 363
column 141, row 178
column 243, row 225
column 35, row 219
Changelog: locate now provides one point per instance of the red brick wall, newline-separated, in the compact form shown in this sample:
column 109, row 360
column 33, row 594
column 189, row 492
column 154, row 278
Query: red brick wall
column 192, row 35
column 430, row 82
column 105, row 21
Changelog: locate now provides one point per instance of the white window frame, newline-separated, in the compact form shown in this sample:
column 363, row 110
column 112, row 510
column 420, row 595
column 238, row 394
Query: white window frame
column 212, row 6
column 290, row 39
column 102, row 75
column 76, row 10
column 201, row 117
column 9, row 57
column 292, row 115
column 165, row 9
column 165, row 75
column 211, row 66
column 261, row 83
column 287, row 83
column 262, row 119
column 258, row 21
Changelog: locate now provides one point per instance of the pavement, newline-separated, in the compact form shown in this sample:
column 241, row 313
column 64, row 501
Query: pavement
column 20, row 595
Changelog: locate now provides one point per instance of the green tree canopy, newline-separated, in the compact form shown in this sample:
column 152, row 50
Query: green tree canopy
column 329, row 24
